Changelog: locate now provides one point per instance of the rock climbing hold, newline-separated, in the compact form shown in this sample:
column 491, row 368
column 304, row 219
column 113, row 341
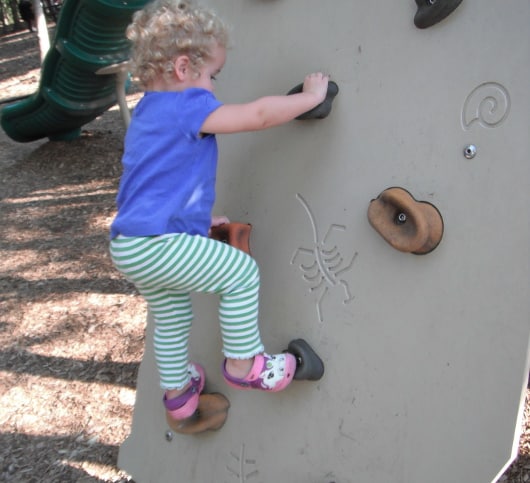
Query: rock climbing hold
column 430, row 12
column 234, row 233
column 211, row 414
column 406, row 224
column 322, row 110
column 309, row 365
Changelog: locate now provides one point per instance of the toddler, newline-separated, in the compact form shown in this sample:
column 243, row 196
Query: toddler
column 159, row 237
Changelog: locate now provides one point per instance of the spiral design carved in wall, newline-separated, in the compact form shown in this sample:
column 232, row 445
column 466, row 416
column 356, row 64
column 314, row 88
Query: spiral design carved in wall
column 488, row 105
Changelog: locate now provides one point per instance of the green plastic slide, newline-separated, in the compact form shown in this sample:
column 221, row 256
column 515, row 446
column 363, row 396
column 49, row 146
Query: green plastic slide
column 90, row 35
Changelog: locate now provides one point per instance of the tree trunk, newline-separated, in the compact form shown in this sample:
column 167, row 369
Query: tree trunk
column 13, row 5
column 42, row 29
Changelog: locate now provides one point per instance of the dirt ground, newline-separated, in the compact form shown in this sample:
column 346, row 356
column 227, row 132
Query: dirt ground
column 71, row 329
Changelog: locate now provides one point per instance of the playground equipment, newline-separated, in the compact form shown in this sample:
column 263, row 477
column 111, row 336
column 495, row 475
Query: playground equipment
column 234, row 233
column 89, row 42
column 407, row 224
column 426, row 356
column 322, row 110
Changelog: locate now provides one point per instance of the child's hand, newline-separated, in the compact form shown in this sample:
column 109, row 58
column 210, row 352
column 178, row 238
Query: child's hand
column 216, row 221
column 219, row 220
column 317, row 83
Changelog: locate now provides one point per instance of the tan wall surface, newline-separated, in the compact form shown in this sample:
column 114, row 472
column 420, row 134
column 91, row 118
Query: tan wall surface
column 426, row 356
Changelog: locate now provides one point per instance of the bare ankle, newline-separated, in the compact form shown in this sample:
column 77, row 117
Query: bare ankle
column 239, row 368
column 173, row 393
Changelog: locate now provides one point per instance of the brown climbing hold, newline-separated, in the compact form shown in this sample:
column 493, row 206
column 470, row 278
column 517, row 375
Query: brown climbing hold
column 234, row 233
column 407, row 224
column 211, row 414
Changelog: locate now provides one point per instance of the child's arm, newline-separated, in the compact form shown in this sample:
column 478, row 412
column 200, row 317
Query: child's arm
column 267, row 111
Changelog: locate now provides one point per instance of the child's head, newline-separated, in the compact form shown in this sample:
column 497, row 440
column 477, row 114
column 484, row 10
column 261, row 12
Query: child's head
column 166, row 29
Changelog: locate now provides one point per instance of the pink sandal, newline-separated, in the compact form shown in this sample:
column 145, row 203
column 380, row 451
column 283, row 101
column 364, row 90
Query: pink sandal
column 269, row 373
column 183, row 406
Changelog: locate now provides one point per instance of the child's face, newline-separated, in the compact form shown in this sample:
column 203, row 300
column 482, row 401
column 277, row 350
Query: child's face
column 211, row 67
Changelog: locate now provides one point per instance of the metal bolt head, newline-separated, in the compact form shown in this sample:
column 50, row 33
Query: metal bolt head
column 169, row 435
column 401, row 219
column 470, row 151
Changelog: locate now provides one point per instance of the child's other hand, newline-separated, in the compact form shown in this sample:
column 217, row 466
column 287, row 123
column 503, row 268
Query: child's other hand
column 317, row 83
column 219, row 220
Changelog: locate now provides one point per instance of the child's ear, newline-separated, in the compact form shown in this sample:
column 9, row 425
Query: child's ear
column 182, row 66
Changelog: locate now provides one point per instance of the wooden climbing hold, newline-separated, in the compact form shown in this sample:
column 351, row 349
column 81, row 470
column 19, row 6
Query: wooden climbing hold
column 211, row 415
column 234, row 233
column 407, row 224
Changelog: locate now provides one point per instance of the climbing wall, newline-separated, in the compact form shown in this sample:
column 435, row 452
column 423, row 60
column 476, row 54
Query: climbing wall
column 426, row 355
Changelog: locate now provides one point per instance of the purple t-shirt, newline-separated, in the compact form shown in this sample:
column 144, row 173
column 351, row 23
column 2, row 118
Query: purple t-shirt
column 169, row 167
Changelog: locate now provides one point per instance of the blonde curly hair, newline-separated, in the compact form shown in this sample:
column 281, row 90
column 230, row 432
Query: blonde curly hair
column 165, row 29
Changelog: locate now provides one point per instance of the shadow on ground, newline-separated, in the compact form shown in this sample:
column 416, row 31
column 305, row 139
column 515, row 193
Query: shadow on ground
column 71, row 328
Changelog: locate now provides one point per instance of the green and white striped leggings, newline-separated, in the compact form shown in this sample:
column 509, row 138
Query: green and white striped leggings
column 165, row 269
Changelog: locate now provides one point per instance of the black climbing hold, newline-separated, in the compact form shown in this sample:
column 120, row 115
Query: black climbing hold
column 309, row 366
column 322, row 110
column 430, row 12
